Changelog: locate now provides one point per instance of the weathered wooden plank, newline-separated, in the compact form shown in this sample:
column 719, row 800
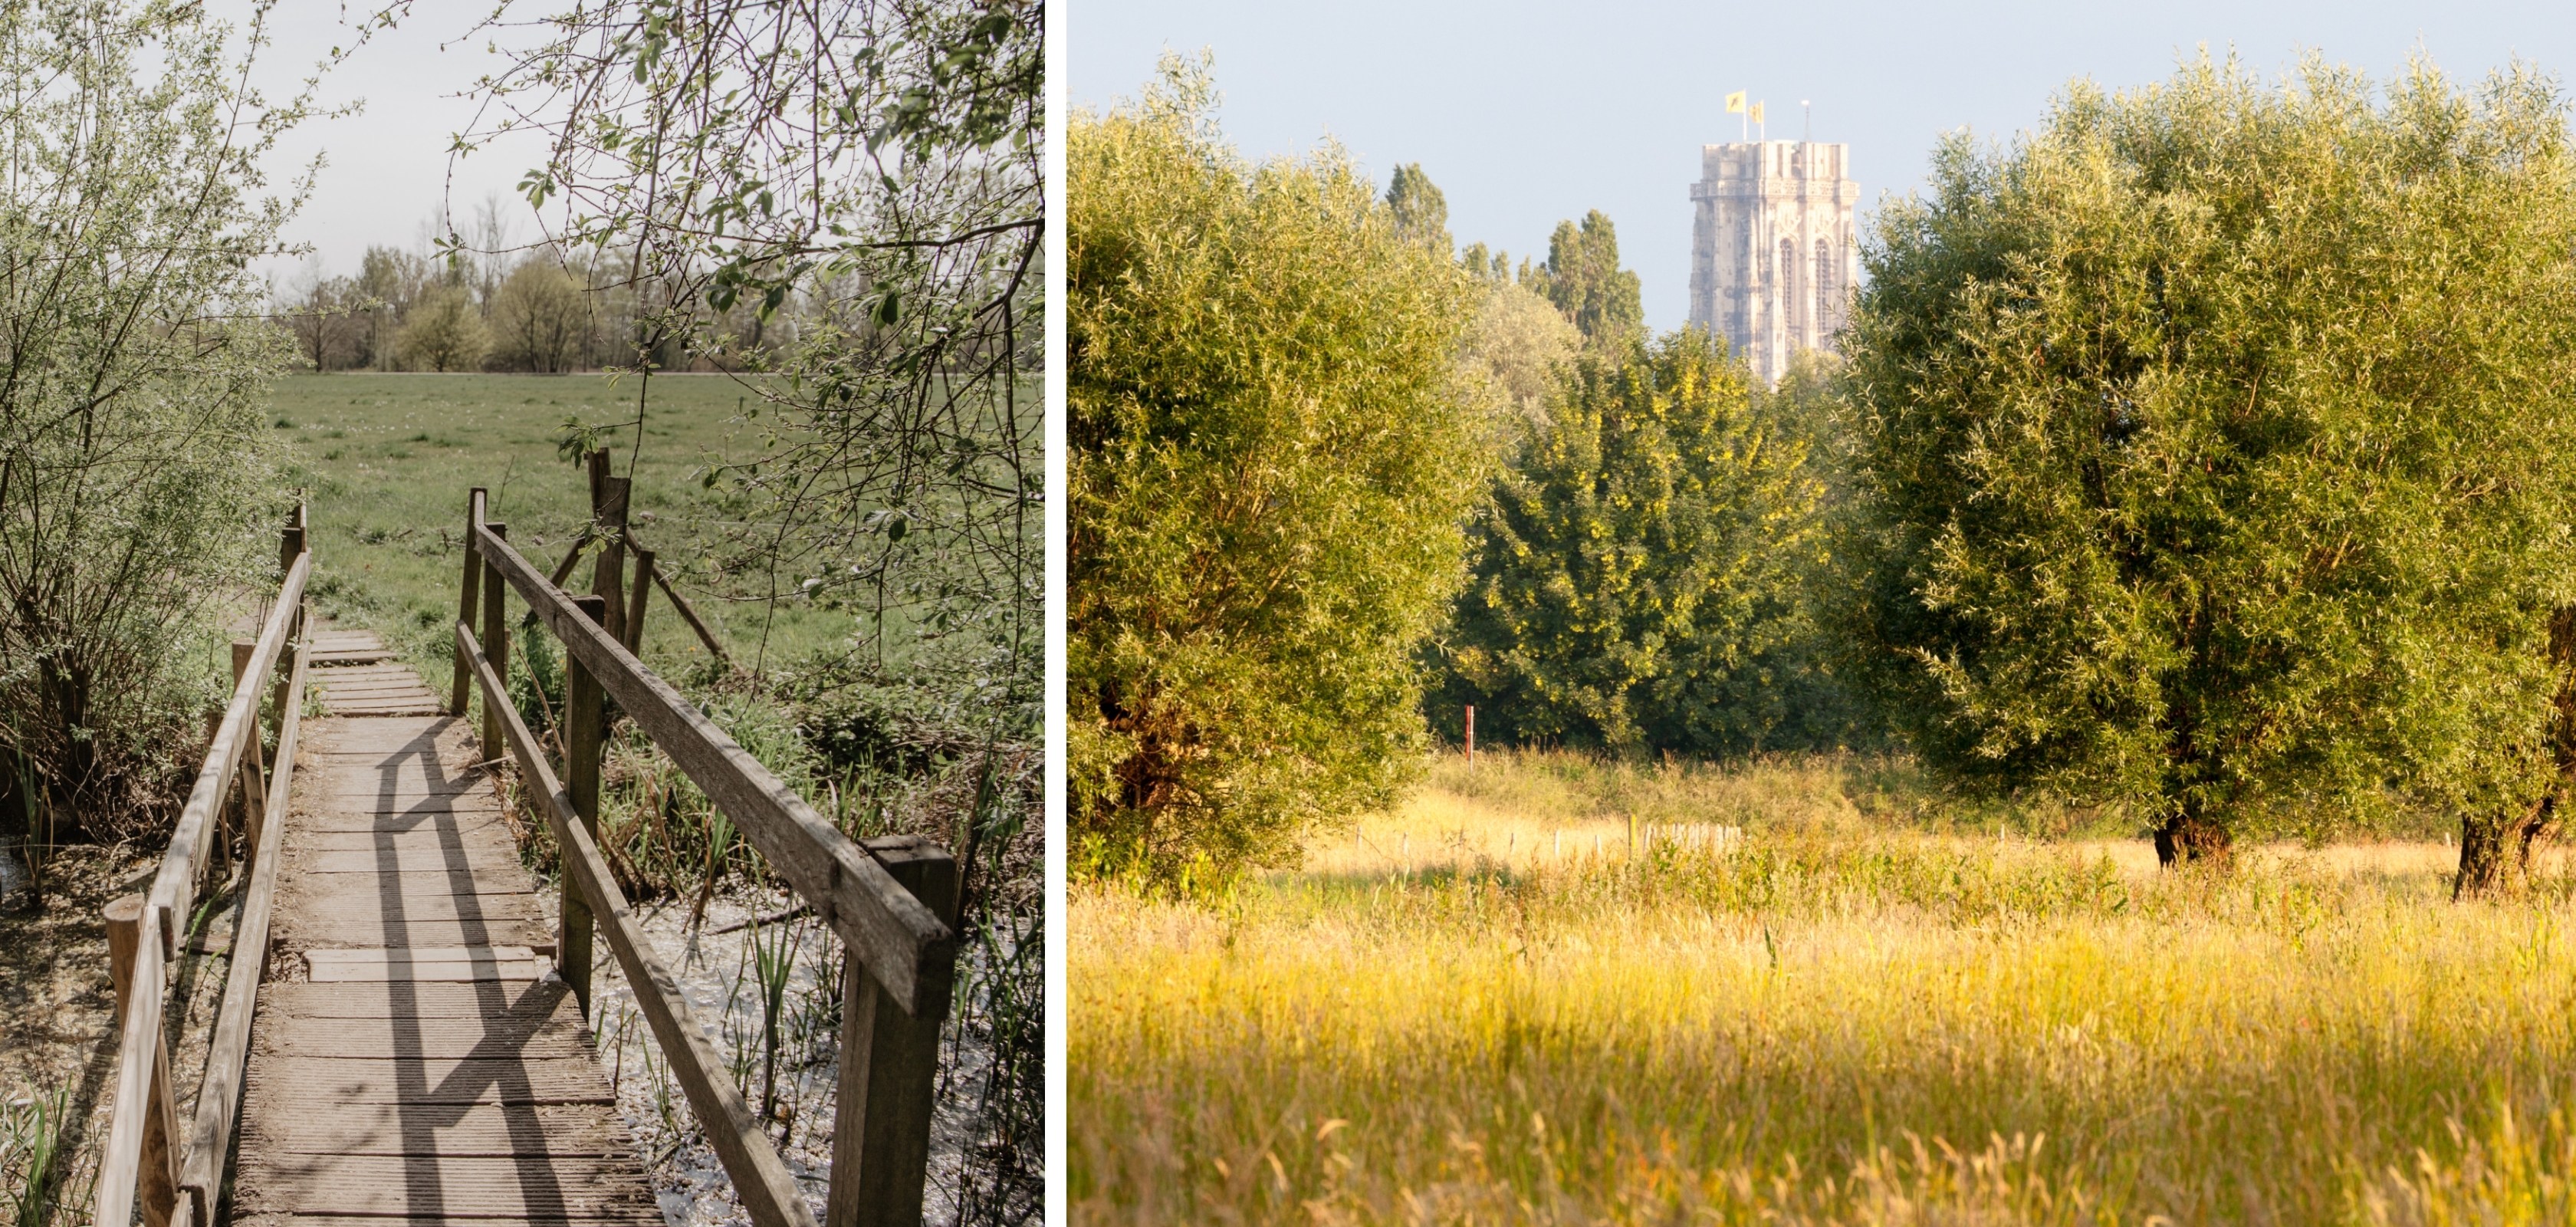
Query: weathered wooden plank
column 406, row 836
column 331, row 792
column 568, row 1186
column 902, row 942
column 430, row 1080
column 365, row 814
column 393, row 778
column 423, row 891
column 395, row 964
column 537, row 999
column 405, row 1037
column 368, row 675
column 334, row 929
column 456, row 1130
column 404, row 860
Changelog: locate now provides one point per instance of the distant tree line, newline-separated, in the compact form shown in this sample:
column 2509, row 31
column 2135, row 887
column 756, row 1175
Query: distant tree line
column 486, row 303
column 2205, row 454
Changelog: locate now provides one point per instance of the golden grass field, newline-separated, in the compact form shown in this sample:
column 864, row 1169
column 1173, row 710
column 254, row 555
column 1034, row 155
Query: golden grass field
column 1849, row 1016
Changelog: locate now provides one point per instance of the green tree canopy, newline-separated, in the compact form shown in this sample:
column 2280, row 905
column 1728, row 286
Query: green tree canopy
column 1583, row 278
column 1268, row 475
column 1639, row 578
column 446, row 333
column 2211, row 448
column 1421, row 212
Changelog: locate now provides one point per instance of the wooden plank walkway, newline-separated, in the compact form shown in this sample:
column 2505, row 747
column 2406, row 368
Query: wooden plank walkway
column 410, row 1062
column 359, row 676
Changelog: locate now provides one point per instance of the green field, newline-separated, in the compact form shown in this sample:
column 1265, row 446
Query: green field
column 388, row 459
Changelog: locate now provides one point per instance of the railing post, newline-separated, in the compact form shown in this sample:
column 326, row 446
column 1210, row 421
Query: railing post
column 889, row 1066
column 157, row 1184
column 634, row 637
column 608, row 523
column 252, row 775
column 582, row 746
column 465, row 603
column 496, row 643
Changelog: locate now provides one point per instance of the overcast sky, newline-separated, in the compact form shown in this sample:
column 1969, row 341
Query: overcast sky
column 1525, row 113
column 388, row 167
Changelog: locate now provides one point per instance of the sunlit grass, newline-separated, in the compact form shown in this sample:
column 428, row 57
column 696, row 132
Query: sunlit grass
column 1856, row 1016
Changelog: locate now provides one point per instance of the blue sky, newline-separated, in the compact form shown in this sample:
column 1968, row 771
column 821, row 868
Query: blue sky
column 1527, row 113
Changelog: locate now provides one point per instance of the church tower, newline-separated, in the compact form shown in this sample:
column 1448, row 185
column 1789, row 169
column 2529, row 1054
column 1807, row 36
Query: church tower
column 1774, row 256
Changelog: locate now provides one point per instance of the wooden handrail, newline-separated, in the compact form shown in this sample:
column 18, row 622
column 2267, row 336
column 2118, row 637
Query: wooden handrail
column 761, row 1179
column 889, row 899
column 141, row 1047
column 219, row 1093
column 903, row 943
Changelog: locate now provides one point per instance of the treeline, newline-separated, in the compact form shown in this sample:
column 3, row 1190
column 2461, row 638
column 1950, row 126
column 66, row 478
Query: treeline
column 494, row 306
column 2204, row 455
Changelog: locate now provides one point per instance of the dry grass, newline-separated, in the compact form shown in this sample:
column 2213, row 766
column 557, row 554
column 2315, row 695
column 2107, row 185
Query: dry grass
column 1857, row 1014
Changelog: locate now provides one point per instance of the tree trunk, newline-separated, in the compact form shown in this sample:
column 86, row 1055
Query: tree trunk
column 2495, row 850
column 2484, row 863
column 2191, row 836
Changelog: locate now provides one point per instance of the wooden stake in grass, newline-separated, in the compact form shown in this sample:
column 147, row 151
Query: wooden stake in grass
column 1471, row 737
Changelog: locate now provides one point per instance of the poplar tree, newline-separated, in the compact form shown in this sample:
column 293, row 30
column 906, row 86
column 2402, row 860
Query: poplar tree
column 1583, row 278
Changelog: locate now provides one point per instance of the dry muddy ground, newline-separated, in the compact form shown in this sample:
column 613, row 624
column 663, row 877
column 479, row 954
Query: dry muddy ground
column 57, row 1005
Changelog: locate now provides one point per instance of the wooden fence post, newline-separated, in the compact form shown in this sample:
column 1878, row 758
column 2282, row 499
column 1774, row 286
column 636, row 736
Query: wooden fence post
column 291, row 541
column 582, row 746
column 496, row 643
column 889, row 1066
column 608, row 520
column 634, row 637
column 466, row 600
column 251, row 775
column 157, row 1185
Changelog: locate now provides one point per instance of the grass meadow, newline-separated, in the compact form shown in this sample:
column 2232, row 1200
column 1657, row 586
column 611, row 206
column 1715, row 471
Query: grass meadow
column 1548, row 991
column 387, row 461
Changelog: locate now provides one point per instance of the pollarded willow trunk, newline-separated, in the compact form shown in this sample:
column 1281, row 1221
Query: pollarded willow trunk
column 2191, row 837
column 2486, row 861
column 2495, row 849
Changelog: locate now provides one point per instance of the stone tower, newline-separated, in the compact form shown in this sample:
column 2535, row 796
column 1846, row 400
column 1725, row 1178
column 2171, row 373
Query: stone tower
column 1773, row 251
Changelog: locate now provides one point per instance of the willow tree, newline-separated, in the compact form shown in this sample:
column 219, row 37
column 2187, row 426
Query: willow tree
column 2211, row 453
column 1269, row 468
column 138, row 493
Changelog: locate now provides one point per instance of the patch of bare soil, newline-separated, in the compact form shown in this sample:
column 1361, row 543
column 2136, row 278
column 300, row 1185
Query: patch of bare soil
column 57, row 1010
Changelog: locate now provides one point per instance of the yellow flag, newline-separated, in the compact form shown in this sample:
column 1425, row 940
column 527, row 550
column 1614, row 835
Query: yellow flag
column 1735, row 102
column 1757, row 113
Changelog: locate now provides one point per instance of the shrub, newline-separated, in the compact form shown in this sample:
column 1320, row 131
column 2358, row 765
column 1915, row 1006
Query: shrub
column 137, row 487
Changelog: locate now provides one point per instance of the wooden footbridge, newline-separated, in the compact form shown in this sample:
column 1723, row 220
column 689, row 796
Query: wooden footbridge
column 402, row 1037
